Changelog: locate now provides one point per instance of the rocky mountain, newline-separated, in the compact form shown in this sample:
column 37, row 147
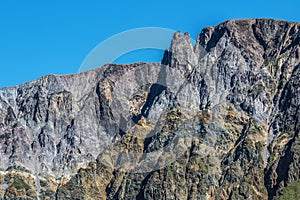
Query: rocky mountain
column 218, row 120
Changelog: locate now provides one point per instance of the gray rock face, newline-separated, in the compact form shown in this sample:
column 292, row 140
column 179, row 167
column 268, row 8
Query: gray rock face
column 219, row 120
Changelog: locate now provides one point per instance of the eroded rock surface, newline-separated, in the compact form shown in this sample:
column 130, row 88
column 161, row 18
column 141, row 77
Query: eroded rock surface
column 219, row 120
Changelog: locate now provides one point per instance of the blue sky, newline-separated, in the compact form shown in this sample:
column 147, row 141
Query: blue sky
column 54, row 37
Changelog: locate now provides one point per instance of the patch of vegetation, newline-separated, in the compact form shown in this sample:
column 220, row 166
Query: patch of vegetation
column 259, row 149
column 266, row 62
column 43, row 183
column 291, row 192
column 181, row 161
column 20, row 184
column 203, row 167
column 202, row 164
column 169, row 175
column 259, row 146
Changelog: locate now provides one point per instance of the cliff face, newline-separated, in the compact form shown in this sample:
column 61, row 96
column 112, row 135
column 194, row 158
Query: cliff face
column 219, row 120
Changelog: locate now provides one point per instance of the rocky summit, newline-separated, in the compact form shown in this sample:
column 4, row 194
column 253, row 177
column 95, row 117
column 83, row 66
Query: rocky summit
column 218, row 120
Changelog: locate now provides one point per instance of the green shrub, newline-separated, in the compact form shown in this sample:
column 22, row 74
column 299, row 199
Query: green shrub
column 291, row 192
column 20, row 184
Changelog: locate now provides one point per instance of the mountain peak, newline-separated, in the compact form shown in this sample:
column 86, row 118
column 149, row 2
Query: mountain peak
column 219, row 120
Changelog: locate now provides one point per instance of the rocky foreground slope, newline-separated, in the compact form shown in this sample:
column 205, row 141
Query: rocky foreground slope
column 219, row 120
